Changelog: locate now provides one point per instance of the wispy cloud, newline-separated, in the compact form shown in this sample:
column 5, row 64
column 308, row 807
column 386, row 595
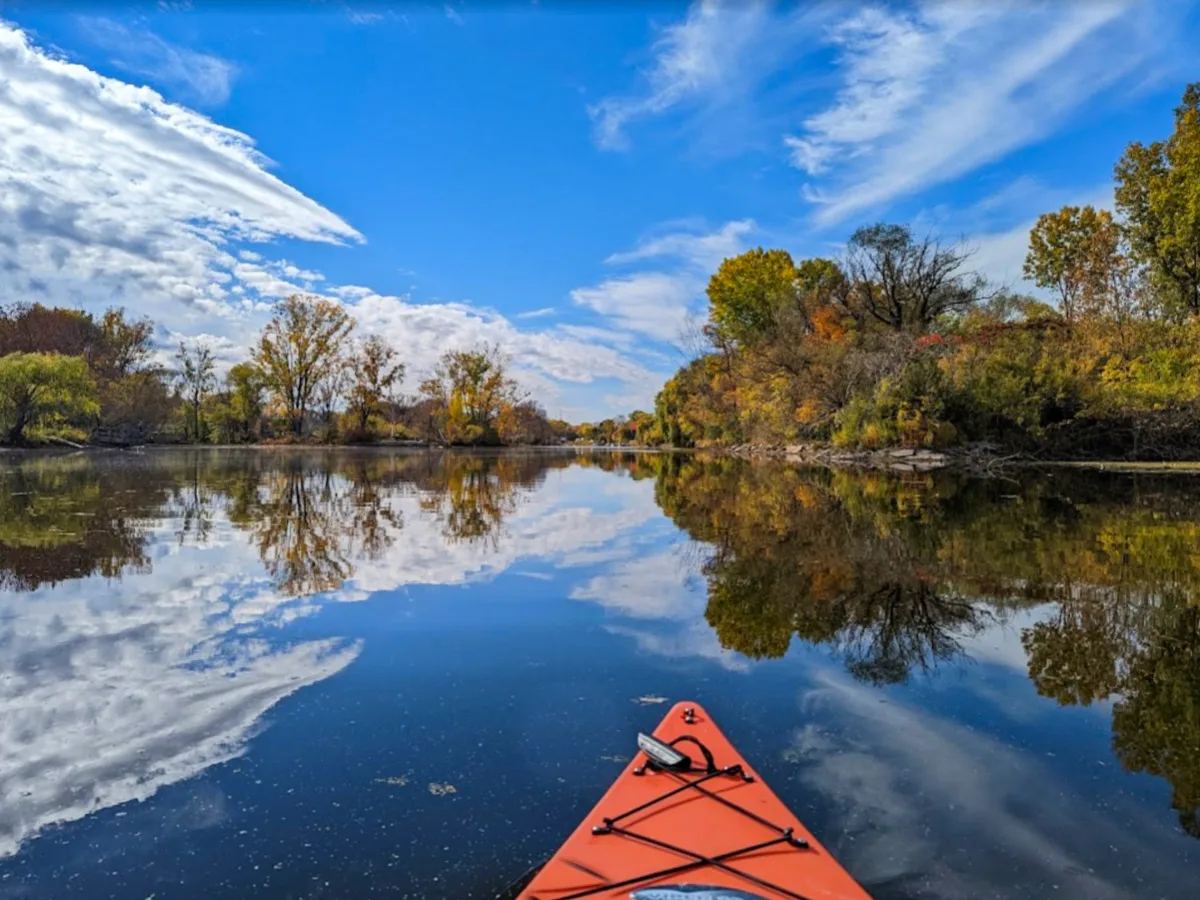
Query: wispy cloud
column 201, row 77
column 453, row 15
column 931, row 92
column 659, row 302
column 365, row 17
column 537, row 313
column 696, row 59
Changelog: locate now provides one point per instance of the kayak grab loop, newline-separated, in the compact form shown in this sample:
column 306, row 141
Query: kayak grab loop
column 610, row 826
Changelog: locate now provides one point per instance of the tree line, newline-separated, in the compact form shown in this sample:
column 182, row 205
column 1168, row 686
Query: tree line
column 898, row 342
column 66, row 375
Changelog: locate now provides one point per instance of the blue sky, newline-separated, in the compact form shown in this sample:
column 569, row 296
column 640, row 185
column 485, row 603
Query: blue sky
column 559, row 178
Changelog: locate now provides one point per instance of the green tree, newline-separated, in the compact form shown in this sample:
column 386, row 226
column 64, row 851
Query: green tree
column 196, row 378
column 376, row 373
column 36, row 387
column 1158, row 193
column 1071, row 252
column 302, row 345
column 246, row 387
column 749, row 293
column 1156, row 724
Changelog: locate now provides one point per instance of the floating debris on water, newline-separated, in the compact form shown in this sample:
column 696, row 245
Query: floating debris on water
column 649, row 699
column 393, row 780
column 440, row 790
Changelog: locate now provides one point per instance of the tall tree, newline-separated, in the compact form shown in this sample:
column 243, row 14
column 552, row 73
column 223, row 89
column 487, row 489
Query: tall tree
column 376, row 373
column 300, row 347
column 1158, row 193
column 245, row 385
column 906, row 283
column 125, row 344
column 1071, row 252
column 469, row 388
column 196, row 378
column 748, row 294
column 35, row 386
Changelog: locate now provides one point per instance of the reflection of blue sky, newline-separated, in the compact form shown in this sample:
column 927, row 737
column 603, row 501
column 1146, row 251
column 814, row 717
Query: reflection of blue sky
column 961, row 798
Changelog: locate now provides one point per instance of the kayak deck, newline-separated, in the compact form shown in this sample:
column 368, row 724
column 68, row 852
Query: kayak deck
column 659, row 834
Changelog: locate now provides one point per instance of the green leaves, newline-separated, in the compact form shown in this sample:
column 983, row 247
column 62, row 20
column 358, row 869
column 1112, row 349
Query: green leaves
column 1158, row 193
column 38, row 387
column 749, row 293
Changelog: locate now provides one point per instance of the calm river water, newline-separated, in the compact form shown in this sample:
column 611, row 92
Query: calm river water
column 294, row 674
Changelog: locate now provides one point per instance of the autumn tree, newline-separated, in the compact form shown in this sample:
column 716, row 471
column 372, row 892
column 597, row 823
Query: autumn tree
column 749, row 293
column 523, row 423
column 237, row 411
column 302, row 345
column 125, row 344
column 376, row 373
column 36, row 387
column 1072, row 252
column 469, row 388
column 906, row 283
column 196, row 378
column 1158, row 194
column 33, row 328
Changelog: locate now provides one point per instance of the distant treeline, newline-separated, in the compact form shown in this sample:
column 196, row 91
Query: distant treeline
column 66, row 375
column 898, row 342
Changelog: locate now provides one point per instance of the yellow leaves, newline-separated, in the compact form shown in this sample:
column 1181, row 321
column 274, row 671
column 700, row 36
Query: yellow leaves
column 302, row 346
column 749, row 292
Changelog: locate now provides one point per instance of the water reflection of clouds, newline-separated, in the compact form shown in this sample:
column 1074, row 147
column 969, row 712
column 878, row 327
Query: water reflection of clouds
column 110, row 690
column 557, row 525
column 659, row 587
column 909, row 787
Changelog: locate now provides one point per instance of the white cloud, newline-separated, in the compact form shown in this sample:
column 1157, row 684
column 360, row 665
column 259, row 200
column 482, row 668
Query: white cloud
column 426, row 331
column 201, row 77
column 363, row 17
column 652, row 303
column 452, row 14
column 660, row 303
column 703, row 251
column 111, row 195
column 934, row 91
column 536, row 313
column 693, row 60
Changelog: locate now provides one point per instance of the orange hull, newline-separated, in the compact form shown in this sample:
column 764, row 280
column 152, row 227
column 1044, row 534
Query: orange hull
column 723, row 829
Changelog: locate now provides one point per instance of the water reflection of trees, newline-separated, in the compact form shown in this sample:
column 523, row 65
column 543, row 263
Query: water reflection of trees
column 832, row 560
column 471, row 494
column 311, row 515
column 61, row 519
column 893, row 572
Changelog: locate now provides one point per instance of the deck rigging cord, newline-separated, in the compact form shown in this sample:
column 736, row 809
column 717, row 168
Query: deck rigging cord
column 722, row 861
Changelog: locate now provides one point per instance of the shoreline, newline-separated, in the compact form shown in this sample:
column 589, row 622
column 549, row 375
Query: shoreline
column 971, row 459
